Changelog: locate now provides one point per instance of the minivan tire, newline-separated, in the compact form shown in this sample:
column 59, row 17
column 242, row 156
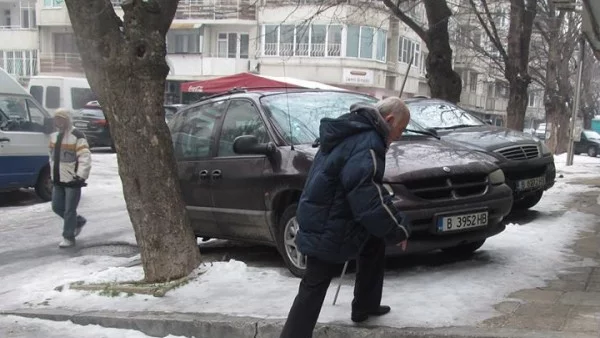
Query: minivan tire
column 43, row 186
column 529, row 201
column 464, row 249
column 592, row 151
column 286, row 232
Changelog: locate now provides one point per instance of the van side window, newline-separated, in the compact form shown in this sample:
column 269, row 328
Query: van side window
column 53, row 97
column 38, row 93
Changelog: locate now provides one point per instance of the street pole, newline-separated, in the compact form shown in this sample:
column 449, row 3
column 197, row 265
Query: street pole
column 570, row 149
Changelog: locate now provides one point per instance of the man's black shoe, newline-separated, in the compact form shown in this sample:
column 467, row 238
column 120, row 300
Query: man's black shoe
column 359, row 316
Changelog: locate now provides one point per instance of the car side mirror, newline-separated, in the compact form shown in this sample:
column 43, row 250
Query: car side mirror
column 490, row 122
column 48, row 125
column 248, row 144
column 433, row 131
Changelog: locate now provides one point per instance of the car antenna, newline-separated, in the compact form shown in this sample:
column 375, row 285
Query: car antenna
column 288, row 107
column 412, row 58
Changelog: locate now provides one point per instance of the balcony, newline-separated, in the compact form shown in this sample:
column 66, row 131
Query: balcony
column 61, row 63
column 212, row 9
column 496, row 104
column 199, row 66
column 17, row 38
column 472, row 100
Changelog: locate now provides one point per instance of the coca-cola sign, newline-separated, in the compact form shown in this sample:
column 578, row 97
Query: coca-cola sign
column 195, row 89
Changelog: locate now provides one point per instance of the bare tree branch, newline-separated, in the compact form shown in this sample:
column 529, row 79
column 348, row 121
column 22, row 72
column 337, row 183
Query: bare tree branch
column 406, row 19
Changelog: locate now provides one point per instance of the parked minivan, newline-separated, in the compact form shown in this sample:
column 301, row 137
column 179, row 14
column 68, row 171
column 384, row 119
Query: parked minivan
column 24, row 129
column 53, row 92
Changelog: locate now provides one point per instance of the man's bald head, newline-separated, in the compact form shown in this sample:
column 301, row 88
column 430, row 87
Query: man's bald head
column 396, row 114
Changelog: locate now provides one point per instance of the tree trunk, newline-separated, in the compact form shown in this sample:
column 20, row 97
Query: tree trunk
column 517, row 60
column 517, row 103
column 443, row 81
column 125, row 64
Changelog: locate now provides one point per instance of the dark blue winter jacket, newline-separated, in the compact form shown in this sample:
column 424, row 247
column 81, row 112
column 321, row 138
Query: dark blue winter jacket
column 343, row 200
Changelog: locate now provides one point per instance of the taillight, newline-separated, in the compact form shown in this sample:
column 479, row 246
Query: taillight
column 100, row 123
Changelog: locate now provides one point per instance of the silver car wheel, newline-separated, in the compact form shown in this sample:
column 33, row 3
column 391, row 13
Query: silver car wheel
column 291, row 250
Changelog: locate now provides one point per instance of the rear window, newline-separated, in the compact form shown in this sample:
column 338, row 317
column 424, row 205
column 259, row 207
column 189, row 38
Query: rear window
column 91, row 112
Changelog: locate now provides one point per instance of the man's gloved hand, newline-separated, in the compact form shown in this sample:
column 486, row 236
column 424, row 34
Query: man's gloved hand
column 79, row 181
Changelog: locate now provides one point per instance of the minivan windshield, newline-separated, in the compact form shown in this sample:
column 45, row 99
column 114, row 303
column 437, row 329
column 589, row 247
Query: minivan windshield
column 303, row 111
column 441, row 115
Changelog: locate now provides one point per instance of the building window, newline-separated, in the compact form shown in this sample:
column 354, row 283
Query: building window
column 233, row 45
column 53, row 3
column 21, row 63
column 409, row 49
column 531, row 102
column 324, row 41
column 473, row 82
column 184, row 42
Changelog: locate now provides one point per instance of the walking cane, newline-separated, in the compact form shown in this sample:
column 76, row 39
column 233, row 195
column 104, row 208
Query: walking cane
column 340, row 284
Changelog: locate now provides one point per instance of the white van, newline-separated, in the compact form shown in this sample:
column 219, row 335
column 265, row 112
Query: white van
column 53, row 92
column 24, row 130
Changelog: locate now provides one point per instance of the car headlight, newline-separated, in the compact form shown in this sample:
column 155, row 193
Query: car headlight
column 497, row 177
column 545, row 149
column 389, row 189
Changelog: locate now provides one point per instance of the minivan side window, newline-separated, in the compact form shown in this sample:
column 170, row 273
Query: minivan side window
column 52, row 97
column 192, row 130
column 38, row 93
column 242, row 118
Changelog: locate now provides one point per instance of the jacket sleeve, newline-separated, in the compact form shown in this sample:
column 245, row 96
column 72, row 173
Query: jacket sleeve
column 84, row 158
column 371, row 205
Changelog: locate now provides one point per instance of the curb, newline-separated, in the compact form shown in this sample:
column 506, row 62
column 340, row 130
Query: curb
column 161, row 324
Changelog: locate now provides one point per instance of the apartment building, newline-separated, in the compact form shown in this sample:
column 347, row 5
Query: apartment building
column 19, row 38
column 355, row 46
column 485, row 89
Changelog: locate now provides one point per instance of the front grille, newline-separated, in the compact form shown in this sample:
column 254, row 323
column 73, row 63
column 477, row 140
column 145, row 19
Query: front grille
column 520, row 153
column 449, row 187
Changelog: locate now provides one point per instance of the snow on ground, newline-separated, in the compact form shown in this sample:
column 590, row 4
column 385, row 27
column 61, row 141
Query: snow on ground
column 19, row 327
column 461, row 293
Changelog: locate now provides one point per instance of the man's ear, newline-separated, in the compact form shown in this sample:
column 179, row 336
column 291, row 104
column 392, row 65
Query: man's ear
column 389, row 119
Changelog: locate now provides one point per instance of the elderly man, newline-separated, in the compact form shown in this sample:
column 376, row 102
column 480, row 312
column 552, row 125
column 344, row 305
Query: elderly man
column 70, row 165
column 344, row 212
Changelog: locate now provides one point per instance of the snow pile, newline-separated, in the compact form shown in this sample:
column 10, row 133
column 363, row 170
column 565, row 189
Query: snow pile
column 51, row 329
column 459, row 293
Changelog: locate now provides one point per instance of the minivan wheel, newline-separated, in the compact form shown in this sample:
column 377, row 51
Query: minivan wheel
column 528, row 201
column 464, row 249
column 43, row 186
column 592, row 151
column 286, row 241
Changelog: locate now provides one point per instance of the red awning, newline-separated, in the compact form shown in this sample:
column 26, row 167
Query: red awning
column 242, row 80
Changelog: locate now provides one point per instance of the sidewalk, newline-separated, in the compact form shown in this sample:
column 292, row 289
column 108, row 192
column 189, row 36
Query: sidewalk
column 423, row 304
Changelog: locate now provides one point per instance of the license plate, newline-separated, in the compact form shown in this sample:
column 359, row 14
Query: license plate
column 461, row 222
column 80, row 124
column 532, row 183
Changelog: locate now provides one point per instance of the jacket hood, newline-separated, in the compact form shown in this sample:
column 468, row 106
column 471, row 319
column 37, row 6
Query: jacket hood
column 362, row 117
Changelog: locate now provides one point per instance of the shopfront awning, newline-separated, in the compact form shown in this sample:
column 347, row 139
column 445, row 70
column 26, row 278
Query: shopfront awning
column 250, row 81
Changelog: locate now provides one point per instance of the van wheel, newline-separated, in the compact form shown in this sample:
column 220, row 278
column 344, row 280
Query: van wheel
column 592, row 151
column 43, row 186
column 464, row 249
column 286, row 241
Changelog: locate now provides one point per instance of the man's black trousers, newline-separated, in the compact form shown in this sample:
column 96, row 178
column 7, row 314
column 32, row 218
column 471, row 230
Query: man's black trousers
column 368, row 287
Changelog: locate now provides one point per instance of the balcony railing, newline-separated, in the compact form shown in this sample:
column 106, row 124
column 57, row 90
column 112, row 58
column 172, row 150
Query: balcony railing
column 60, row 63
column 212, row 9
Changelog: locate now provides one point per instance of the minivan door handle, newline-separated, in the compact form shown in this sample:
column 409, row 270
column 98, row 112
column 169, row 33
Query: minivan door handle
column 203, row 174
column 216, row 174
column 4, row 139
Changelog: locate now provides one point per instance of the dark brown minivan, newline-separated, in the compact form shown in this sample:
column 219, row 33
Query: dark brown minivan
column 243, row 158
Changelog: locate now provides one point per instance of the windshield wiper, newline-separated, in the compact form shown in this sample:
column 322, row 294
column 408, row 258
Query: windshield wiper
column 457, row 126
column 423, row 132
